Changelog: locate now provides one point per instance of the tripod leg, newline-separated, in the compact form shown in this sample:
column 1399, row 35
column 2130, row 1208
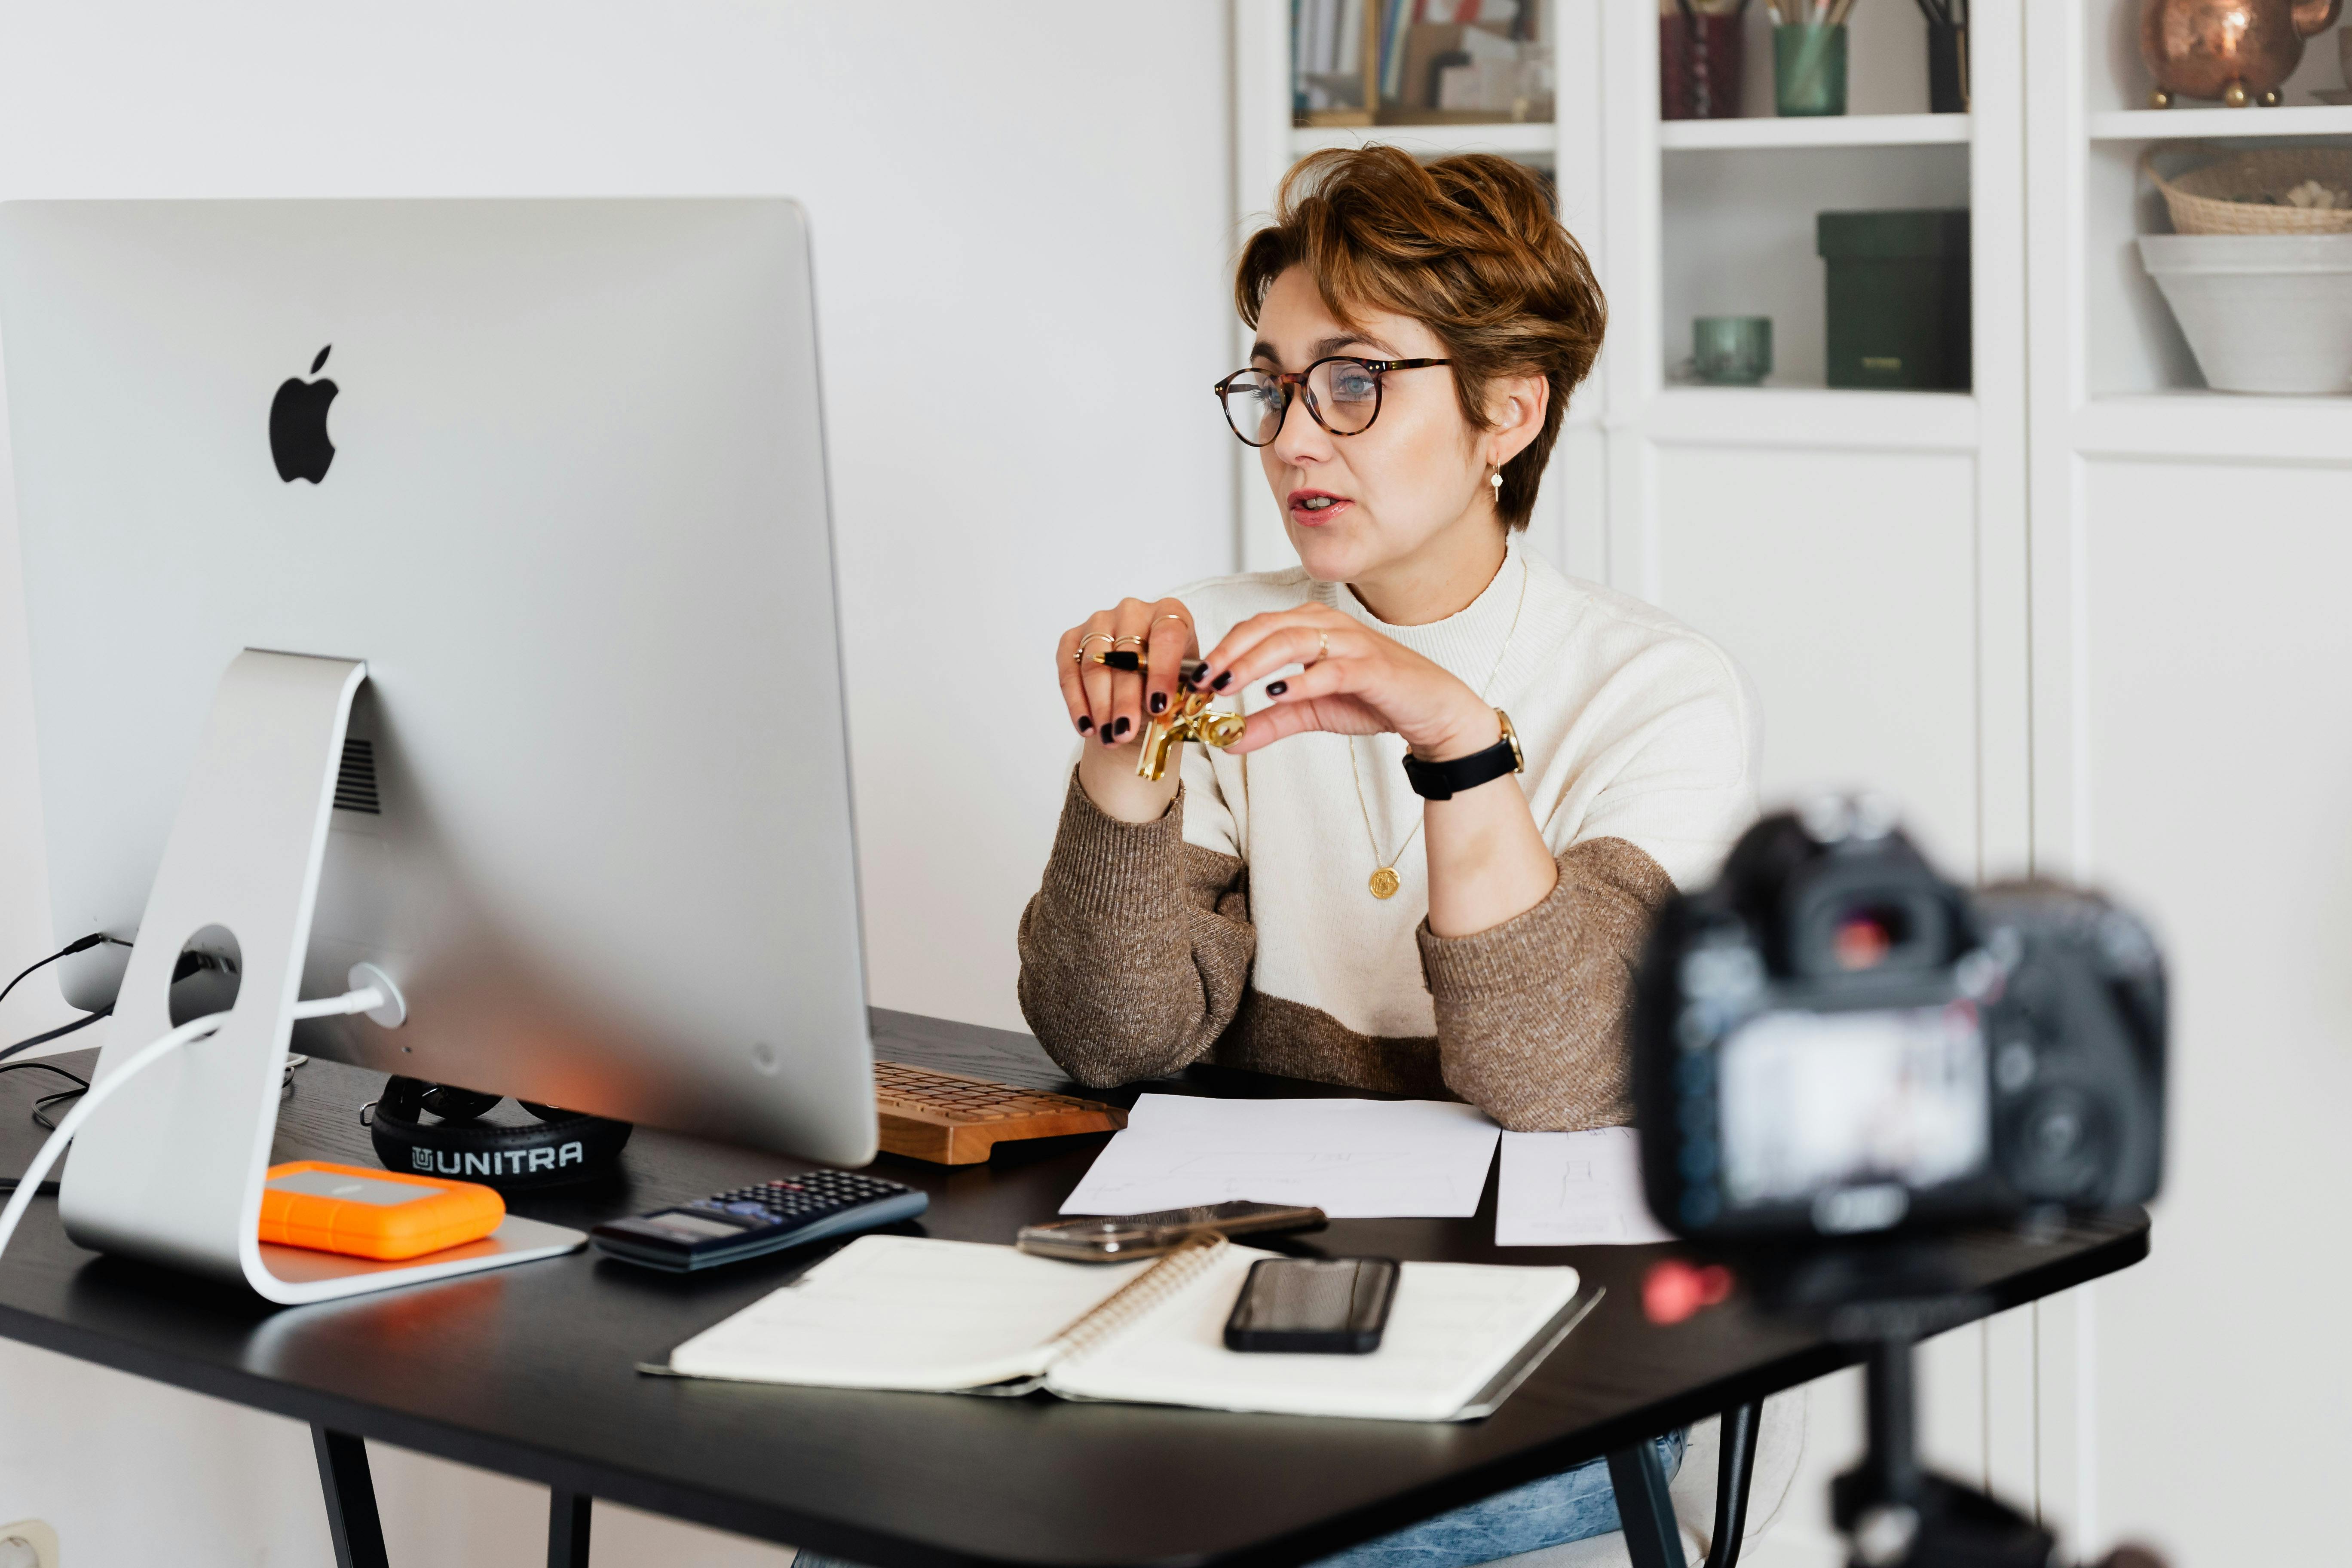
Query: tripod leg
column 1645, row 1509
column 567, row 1527
column 1734, row 1471
column 1891, row 1411
column 351, row 1521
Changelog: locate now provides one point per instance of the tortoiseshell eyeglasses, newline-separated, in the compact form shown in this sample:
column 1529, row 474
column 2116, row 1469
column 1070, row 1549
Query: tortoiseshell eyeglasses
column 1343, row 396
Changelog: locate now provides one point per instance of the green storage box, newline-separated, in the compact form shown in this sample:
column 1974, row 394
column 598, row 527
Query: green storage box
column 1898, row 298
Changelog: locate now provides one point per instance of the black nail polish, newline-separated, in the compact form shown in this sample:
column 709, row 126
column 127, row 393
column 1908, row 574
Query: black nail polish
column 1085, row 723
column 1159, row 702
column 1277, row 689
column 1220, row 682
column 1123, row 726
column 1110, row 735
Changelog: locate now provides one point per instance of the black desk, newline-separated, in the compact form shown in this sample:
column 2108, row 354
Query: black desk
column 527, row 1370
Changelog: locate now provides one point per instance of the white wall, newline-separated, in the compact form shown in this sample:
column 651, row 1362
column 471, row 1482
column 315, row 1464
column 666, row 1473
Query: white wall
column 1039, row 193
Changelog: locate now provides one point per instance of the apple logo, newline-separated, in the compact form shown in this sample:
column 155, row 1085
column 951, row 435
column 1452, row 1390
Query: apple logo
column 297, row 425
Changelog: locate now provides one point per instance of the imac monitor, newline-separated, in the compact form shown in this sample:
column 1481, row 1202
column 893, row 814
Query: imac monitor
column 555, row 471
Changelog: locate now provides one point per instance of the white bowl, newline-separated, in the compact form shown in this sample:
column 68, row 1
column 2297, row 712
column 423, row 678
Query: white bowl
column 2264, row 312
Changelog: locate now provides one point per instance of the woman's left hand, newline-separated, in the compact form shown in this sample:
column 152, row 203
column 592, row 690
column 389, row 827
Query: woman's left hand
column 1356, row 682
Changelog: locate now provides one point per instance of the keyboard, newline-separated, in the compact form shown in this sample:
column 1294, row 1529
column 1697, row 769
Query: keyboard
column 749, row 1222
column 948, row 1119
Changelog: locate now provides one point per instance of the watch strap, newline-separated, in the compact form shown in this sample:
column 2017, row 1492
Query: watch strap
column 1443, row 781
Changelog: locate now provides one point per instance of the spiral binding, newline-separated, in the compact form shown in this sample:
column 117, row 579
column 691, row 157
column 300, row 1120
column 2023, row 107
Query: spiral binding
column 1164, row 1281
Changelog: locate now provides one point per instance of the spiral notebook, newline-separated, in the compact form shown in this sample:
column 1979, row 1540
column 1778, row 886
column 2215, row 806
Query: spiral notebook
column 917, row 1314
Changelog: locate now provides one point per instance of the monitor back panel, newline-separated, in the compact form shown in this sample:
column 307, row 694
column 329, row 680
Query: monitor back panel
column 596, row 815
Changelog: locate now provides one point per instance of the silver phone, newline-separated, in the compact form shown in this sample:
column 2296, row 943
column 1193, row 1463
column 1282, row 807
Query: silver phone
column 1122, row 1237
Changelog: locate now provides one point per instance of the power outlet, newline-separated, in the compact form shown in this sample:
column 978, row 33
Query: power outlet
column 28, row 1544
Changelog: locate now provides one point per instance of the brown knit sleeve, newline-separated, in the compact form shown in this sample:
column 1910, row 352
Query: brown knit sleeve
column 1135, row 952
column 1531, row 1014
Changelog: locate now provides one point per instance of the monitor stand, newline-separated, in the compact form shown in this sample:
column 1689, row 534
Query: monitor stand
column 170, row 1170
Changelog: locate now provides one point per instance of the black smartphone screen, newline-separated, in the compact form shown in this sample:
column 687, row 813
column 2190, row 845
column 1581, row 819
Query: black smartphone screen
column 1328, row 1306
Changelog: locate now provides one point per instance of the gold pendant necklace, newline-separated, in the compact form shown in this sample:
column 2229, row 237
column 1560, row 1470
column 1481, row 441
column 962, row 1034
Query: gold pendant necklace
column 1384, row 881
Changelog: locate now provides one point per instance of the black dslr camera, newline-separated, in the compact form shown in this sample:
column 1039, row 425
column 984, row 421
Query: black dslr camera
column 1834, row 1040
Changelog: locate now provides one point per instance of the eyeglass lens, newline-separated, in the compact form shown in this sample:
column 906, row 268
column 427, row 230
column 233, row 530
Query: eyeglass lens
column 1342, row 396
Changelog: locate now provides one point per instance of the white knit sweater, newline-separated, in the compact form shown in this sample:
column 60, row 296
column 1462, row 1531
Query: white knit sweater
column 1634, row 727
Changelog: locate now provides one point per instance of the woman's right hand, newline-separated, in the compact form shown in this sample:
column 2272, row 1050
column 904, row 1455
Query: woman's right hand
column 1111, row 708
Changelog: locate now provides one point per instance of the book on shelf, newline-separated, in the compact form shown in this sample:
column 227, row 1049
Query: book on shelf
column 1355, row 61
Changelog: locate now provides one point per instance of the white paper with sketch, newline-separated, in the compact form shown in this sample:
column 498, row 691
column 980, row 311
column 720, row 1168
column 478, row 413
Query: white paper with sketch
column 1573, row 1189
column 1353, row 1159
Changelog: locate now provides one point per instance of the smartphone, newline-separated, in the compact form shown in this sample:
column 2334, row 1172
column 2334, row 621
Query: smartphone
column 1316, row 1306
column 1127, row 1237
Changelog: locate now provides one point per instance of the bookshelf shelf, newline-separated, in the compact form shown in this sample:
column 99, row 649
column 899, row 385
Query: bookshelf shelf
column 1502, row 136
column 1789, row 418
column 1830, row 131
column 2223, row 124
column 2187, row 424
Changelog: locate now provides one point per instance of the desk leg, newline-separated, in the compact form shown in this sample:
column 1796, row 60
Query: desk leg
column 1653, row 1539
column 351, row 1518
column 567, row 1527
column 1735, row 1469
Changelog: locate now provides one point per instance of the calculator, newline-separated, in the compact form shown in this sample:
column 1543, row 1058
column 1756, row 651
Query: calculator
column 767, row 1216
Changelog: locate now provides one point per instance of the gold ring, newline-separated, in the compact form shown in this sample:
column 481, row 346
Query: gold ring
column 1137, row 641
column 1322, row 646
column 1172, row 616
column 1078, row 655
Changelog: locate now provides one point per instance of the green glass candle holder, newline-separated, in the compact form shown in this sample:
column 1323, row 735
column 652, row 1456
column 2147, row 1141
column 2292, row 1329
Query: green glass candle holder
column 1731, row 351
column 1809, row 69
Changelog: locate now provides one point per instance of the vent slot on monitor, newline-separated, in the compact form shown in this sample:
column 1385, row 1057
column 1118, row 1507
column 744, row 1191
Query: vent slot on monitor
column 355, row 781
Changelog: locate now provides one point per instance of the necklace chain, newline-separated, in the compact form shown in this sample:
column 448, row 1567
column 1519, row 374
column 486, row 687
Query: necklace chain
column 1385, row 881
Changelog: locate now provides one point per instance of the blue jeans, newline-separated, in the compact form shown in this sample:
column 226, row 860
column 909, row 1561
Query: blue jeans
column 1553, row 1512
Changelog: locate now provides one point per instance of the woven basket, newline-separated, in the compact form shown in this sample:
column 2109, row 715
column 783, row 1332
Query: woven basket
column 2246, row 192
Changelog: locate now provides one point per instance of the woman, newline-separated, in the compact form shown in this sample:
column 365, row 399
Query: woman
column 1420, row 328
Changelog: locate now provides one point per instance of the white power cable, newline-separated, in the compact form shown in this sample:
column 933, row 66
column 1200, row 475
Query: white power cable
column 364, row 999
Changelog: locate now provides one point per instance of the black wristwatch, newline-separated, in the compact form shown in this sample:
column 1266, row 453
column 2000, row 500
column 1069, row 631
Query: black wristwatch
column 1443, row 781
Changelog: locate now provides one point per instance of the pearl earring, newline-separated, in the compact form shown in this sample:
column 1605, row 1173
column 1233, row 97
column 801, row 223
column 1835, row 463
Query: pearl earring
column 1496, row 479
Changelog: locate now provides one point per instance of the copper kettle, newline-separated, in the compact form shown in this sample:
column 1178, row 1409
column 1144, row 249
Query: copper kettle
column 2236, row 50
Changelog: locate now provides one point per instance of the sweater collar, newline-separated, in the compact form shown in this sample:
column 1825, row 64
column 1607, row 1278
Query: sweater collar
column 1467, row 643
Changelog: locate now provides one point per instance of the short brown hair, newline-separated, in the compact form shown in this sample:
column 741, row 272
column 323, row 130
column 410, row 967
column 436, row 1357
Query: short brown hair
column 1467, row 243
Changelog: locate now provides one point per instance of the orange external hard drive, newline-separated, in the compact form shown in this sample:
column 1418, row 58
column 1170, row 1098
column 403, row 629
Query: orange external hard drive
column 372, row 1214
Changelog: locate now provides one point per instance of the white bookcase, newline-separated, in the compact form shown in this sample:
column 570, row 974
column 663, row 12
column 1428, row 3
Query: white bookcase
column 2027, row 609
column 2189, row 549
